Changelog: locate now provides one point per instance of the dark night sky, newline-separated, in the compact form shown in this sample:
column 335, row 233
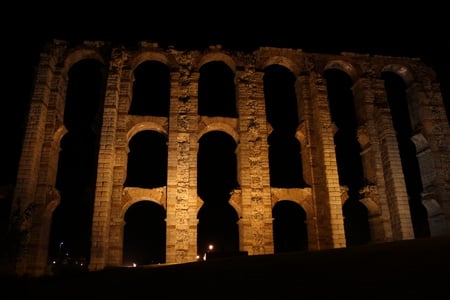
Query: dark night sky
column 412, row 32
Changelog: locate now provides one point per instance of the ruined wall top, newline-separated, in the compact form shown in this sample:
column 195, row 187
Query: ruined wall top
column 356, row 65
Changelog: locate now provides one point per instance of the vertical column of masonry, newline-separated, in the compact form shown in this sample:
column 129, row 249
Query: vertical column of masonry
column 255, row 225
column 307, row 148
column 432, row 140
column 29, row 201
column 374, row 193
column 105, row 229
column 326, row 188
column 397, row 197
column 121, row 73
column 181, row 221
column 46, row 196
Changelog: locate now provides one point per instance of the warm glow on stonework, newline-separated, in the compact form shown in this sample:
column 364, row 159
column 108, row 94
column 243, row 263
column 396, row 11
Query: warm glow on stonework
column 316, row 197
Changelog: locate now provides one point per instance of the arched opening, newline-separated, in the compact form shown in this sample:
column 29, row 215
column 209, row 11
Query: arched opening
column 151, row 90
column 147, row 160
column 217, row 177
column 281, row 111
column 217, row 167
column 77, row 166
column 144, row 239
column 289, row 227
column 218, row 227
column 398, row 103
column 216, row 91
column 285, row 161
column 348, row 157
column 280, row 97
column 357, row 230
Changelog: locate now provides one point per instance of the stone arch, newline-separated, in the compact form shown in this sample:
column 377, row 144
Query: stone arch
column 411, row 91
column 148, row 138
column 216, row 88
column 218, row 56
column 70, row 61
column 291, row 231
column 344, row 66
column 219, row 126
column 402, row 71
column 143, row 126
column 149, row 78
column 230, row 130
column 229, row 143
column 236, row 202
column 302, row 197
column 79, row 55
column 283, row 61
column 148, row 226
column 149, row 56
column 132, row 195
column 59, row 134
column 53, row 198
column 373, row 208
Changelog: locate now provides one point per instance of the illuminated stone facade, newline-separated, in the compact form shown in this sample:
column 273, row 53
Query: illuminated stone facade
column 384, row 194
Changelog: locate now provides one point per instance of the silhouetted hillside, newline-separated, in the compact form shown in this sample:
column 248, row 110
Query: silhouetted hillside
column 403, row 269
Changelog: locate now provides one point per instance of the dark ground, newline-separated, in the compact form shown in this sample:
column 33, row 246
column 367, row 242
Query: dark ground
column 402, row 269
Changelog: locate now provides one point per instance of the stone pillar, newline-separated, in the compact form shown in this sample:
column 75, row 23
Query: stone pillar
column 255, row 224
column 397, row 197
column 432, row 142
column 325, row 180
column 118, row 117
column 375, row 202
column 101, row 222
column 182, row 200
column 304, row 134
column 36, row 171
column 369, row 197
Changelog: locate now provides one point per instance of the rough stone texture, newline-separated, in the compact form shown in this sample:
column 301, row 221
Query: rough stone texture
column 384, row 196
